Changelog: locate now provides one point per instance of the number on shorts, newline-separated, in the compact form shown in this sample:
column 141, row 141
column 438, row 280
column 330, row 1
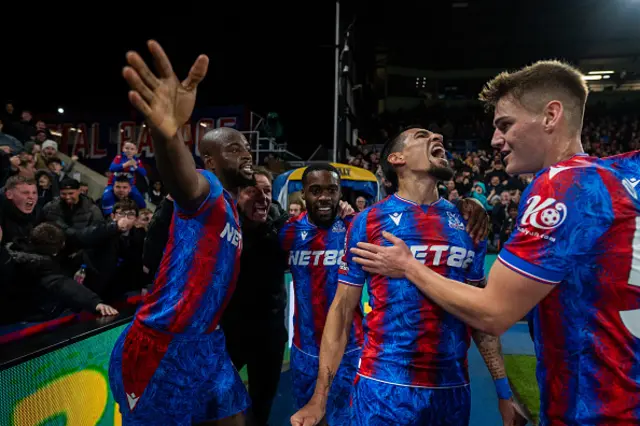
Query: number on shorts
column 631, row 319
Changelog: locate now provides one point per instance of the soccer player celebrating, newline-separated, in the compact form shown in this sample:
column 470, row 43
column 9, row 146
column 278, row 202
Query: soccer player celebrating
column 413, row 367
column 574, row 253
column 170, row 365
column 315, row 243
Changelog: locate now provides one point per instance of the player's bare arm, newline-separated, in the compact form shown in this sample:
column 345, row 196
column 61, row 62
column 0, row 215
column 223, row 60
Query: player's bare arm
column 490, row 348
column 167, row 104
column 334, row 341
column 506, row 299
column 478, row 221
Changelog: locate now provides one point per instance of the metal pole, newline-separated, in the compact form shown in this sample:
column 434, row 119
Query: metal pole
column 337, row 84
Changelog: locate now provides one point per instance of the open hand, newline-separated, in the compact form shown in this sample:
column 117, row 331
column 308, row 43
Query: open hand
column 106, row 310
column 391, row 261
column 165, row 102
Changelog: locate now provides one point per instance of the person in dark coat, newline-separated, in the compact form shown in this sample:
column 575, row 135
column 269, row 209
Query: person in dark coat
column 43, row 291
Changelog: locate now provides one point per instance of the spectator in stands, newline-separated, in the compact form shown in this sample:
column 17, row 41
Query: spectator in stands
column 295, row 208
column 253, row 322
column 114, row 265
column 144, row 218
column 361, row 203
column 19, row 211
column 509, row 223
column 46, row 190
column 71, row 209
column 478, row 193
column 84, row 189
column 43, row 291
column 129, row 166
column 157, row 193
column 58, row 171
column 25, row 130
column 157, row 237
column 15, row 146
column 121, row 191
column 41, row 127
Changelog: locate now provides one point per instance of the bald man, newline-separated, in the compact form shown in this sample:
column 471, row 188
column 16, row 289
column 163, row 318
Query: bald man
column 170, row 366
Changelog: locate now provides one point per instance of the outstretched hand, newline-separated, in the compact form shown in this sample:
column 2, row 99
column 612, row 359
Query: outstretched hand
column 165, row 102
column 390, row 261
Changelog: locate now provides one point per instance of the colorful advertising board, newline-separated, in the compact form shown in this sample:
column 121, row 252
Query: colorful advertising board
column 69, row 386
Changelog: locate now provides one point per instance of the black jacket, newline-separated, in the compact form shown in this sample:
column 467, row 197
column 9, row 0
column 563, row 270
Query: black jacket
column 83, row 214
column 16, row 226
column 260, row 297
column 40, row 290
column 157, row 236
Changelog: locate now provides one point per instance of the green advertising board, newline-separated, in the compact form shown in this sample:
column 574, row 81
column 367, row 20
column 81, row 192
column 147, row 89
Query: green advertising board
column 69, row 386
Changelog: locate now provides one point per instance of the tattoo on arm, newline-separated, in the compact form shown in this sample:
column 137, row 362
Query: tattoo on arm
column 489, row 346
column 330, row 376
column 491, row 350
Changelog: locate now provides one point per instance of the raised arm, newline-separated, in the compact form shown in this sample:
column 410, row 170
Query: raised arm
column 334, row 341
column 167, row 104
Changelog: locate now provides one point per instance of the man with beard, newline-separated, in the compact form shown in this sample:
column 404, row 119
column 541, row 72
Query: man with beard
column 254, row 322
column 170, row 366
column 413, row 366
column 315, row 243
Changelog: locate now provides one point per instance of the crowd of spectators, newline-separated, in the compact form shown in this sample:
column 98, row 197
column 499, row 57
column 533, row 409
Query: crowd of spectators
column 479, row 170
column 60, row 250
column 50, row 229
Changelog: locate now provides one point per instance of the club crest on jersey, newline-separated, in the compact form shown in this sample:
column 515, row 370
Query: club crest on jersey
column 339, row 227
column 544, row 214
column 455, row 222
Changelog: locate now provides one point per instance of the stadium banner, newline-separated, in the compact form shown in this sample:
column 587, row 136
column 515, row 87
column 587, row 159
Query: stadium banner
column 69, row 386
column 98, row 141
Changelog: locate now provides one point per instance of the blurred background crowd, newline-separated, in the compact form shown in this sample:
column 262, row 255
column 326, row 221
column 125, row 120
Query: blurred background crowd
column 63, row 250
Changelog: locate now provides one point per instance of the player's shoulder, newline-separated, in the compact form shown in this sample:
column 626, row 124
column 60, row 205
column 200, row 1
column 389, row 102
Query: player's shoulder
column 580, row 172
column 216, row 187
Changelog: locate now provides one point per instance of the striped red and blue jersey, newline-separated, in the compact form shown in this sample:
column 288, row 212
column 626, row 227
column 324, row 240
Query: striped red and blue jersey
column 315, row 254
column 578, row 229
column 409, row 340
column 118, row 169
column 199, row 268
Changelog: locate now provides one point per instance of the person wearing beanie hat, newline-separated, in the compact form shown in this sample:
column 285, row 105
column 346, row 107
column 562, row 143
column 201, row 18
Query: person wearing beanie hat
column 49, row 148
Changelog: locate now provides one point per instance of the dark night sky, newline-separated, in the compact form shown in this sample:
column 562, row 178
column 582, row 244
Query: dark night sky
column 265, row 58
column 279, row 58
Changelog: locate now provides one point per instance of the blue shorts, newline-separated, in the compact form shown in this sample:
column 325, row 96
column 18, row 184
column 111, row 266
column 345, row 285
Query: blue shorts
column 159, row 378
column 304, row 370
column 377, row 403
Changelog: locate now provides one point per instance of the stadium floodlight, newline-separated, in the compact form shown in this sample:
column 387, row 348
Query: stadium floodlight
column 60, row 110
column 592, row 77
column 600, row 72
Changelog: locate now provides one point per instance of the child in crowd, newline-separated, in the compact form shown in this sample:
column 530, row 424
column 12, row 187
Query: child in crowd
column 124, row 164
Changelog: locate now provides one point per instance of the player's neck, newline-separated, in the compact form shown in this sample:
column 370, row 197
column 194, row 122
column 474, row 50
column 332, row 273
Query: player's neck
column 564, row 151
column 320, row 224
column 419, row 190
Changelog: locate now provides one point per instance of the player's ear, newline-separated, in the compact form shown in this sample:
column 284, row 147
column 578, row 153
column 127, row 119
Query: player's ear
column 396, row 159
column 553, row 111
